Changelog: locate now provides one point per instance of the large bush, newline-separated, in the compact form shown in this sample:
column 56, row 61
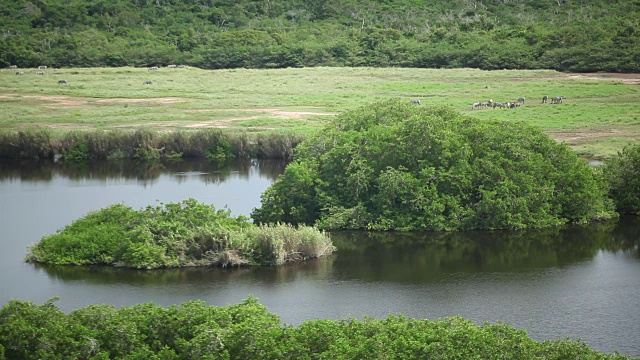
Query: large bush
column 395, row 166
column 622, row 173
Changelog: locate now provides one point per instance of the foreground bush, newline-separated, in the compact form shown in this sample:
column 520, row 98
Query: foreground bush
column 247, row 330
column 393, row 165
column 622, row 174
column 174, row 235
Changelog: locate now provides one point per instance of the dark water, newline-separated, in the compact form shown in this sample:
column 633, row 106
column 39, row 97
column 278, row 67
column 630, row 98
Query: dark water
column 580, row 282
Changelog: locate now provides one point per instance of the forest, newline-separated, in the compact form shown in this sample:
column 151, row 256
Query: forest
column 564, row 35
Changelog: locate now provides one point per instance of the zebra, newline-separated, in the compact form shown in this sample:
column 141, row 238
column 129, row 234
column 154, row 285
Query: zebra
column 63, row 82
column 42, row 67
column 13, row 66
column 181, row 66
column 148, row 82
column 556, row 100
column 19, row 72
column 544, row 99
column 521, row 99
column 476, row 106
column 171, row 66
column 39, row 72
column 499, row 105
column 153, row 68
column 415, row 102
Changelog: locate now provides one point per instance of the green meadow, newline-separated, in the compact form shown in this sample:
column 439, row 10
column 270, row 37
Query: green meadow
column 598, row 116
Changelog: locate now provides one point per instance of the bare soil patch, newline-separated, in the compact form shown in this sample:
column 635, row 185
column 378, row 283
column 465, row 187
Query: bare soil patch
column 627, row 79
column 59, row 101
column 164, row 100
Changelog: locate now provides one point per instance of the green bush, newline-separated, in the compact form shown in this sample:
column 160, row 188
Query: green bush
column 393, row 166
column 622, row 174
column 188, row 233
column 248, row 330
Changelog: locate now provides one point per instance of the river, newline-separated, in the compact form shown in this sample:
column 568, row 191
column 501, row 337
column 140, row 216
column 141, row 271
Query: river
column 578, row 282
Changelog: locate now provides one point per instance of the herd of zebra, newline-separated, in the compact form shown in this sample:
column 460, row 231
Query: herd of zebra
column 512, row 105
column 65, row 82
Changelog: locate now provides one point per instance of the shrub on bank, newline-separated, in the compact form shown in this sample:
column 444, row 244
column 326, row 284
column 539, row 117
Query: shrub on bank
column 188, row 233
column 212, row 144
column 247, row 330
column 395, row 166
column 622, row 175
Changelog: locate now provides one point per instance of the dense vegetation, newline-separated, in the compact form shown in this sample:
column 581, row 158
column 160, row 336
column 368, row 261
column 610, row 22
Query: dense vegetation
column 395, row 166
column 490, row 34
column 247, row 330
column 142, row 143
column 188, row 233
column 622, row 174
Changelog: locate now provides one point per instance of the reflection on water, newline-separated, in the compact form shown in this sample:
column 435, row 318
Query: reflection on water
column 404, row 257
column 208, row 171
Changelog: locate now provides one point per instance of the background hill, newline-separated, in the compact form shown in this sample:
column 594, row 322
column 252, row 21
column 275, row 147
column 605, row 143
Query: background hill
column 566, row 35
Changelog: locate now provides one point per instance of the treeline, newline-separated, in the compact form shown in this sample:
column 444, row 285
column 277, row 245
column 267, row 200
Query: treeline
column 146, row 144
column 565, row 35
column 248, row 330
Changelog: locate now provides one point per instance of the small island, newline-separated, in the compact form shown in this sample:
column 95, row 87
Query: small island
column 188, row 233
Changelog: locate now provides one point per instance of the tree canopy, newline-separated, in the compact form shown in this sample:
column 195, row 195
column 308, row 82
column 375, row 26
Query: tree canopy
column 491, row 34
column 396, row 166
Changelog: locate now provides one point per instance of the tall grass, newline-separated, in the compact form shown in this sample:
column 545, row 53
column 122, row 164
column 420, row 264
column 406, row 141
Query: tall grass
column 214, row 144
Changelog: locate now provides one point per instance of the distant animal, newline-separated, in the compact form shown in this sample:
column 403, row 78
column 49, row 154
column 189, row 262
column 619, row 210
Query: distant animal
column 498, row 105
column 148, row 82
column 544, row 99
column 153, row 68
column 556, row 100
column 181, row 66
column 63, row 82
column 415, row 102
column 19, row 72
column 521, row 99
column 13, row 66
column 476, row 106
column 171, row 66
column 39, row 72
column 42, row 67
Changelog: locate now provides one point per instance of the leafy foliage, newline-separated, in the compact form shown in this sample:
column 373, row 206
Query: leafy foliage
column 397, row 166
column 275, row 34
column 622, row 173
column 247, row 330
column 188, row 233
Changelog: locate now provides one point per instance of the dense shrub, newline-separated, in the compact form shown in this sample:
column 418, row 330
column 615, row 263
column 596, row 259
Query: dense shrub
column 247, row 330
column 622, row 174
column 188, row 233
column 396, row 166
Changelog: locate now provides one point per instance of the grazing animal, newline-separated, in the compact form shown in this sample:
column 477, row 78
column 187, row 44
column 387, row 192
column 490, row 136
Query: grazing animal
column 476, row 106
column 499, row 105
column 544, row 99
column 415, row 102
column 39, row 72
column 171, row 66
column 556, row 100
column 63, row 82
column 42, row 67
column 153, row 68
column 13, row 66
column 148, row 82
column 19, row 72
column 181, row 66
column 521, row 99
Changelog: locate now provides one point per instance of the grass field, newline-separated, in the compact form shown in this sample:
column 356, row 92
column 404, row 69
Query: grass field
column 600, row 113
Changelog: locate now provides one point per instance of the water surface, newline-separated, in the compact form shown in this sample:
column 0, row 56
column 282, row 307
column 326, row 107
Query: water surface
column 581, row 282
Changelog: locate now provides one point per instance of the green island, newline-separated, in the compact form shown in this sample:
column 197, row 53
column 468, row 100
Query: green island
column 247, row 330
column 182, row 234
